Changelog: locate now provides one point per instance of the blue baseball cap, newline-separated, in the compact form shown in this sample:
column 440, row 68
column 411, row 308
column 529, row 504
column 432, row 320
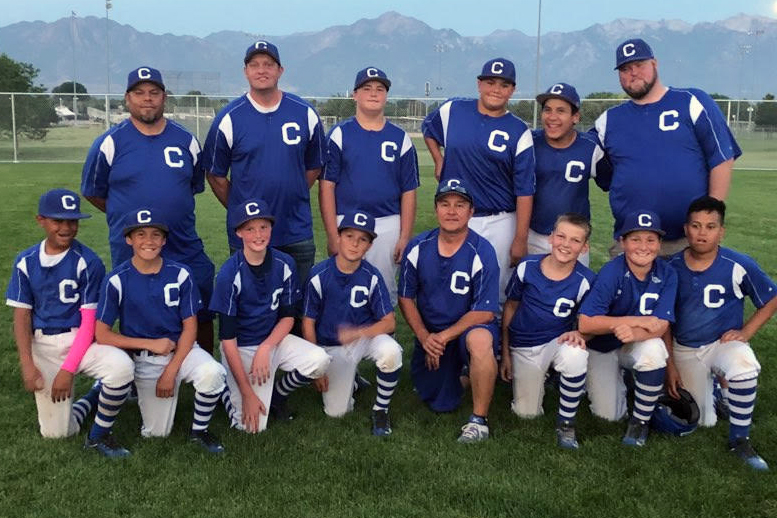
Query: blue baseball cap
column 635, row 49
column 144, row 75
column 641, row 220
column 250, row 209
column 453, row 186
column 262, row 47
column 498, row 67
column 359, row 220
column 61, row 204
column 142, row 218
column 371, row 74
column 561, row 91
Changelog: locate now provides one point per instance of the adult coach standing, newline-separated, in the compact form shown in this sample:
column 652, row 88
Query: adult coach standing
column 667, row 146
column 491, row 151
column 271, row 145
column 150, row 161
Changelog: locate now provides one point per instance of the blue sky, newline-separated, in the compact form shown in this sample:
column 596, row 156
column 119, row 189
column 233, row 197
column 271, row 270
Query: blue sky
column 200, row 18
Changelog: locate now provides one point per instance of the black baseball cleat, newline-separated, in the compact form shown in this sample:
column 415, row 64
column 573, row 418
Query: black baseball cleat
column 742, row 448
column 381, row 424
column 206, row 440
column 281, row 411
column 106, row 446
column 636, row 433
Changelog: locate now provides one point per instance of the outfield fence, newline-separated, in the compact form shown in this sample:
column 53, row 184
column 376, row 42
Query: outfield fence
column 60, row 127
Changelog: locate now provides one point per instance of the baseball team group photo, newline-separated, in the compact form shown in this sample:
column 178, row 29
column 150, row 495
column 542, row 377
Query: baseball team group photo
column 477, row 316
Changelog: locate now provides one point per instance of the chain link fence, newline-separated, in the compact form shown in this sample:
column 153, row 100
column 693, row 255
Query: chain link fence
column 61, row 127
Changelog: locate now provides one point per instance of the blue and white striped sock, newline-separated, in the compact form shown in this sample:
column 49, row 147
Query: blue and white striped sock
column 226, row 400
column 387, row 383
column 204, row 406
column 647, row 389
column 741, row 402
column 290, row 382
column 571, row 390
column 108, row 405
column 84, row 405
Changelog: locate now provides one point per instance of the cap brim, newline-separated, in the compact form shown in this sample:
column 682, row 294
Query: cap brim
column 130, row 228
column 242, row 222
column 354, row 227
column 441, row 195
column 136, row 83
column 631, row 60
column 66, row 215
column 544, row 97
column 260, row 51
column 481, row 77
column 635, row 229
column 385, row 82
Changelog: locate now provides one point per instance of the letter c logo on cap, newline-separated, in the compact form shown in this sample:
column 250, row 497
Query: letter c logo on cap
column 360, row 219
column 260, row 45
column 629, row 50
column 497, row 67
column 645, row 220
column 252, row 208
column 453, row 183
column 144, row 216
column 372, row 72
column 68, row 202
column 144, row 73
column 557, row 89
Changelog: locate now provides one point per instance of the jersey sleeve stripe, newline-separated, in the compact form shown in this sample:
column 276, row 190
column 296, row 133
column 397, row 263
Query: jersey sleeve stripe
column 407, row 144
column 108, row 149
column 17, row 304
column 225, row 127
column 312, row 122
column 337, row 137
column 445, row 114
column 525, row 142
column 695, row 108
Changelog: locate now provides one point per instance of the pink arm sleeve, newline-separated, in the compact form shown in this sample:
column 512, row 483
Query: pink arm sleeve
column 84, row 338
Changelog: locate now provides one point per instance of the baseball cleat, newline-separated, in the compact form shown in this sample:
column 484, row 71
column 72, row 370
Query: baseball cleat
column 566, row 438
column 473, row 432
column 360, row 383
column 381, row 424
column 720, row 401
column 106, row 446
column 206, row 440
column 636, row 433
column 281, row 412
column 742, row 448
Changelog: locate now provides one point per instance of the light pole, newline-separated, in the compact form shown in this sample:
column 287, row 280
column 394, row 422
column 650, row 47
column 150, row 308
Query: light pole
column 439, row 49
column 537, row 70
column 108, row 6
column 73, row 45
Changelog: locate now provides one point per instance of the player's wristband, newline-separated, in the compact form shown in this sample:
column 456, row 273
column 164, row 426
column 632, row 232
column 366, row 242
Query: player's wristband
column 84, row 338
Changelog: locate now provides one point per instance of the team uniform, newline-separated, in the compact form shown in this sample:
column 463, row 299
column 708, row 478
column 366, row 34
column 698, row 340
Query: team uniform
column 266, row 153
column 562, row 177
column 334, row 299
column 546, row 310
column 617, row 292
column 256, row 298
column 154, row 306
column 709, row 303
column 130, row 170
column 372, row 170
column 672, row 143
column 494, row 157
column 444, row 289
column 55, row 288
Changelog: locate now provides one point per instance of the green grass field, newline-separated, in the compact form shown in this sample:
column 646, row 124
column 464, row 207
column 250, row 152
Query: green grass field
column 324, row 467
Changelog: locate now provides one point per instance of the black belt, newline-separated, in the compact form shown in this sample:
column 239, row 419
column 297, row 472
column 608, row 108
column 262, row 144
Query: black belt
column 486, row 212
column 50, row 331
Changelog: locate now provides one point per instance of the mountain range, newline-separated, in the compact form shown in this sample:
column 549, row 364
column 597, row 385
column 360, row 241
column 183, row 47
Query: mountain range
column 734, row 57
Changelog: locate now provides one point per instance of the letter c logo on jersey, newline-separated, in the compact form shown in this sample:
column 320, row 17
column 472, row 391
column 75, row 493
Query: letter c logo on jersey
column 68, row 202
column 569, row 173
column 464, row 288
column 672, row 115
column 68, row 291
column 629, row 50
column 143, row 216
column 144, row 73
column 709, row 290
column 504, row 136
column 276, row 299
column 172, row 294
column 643, row 303
column 384, row 151
column 497, row 67
column 356, row 301
column 645, row 220
column 287, row 137
column 252, row 208
column 563, row 307
column 169, row 159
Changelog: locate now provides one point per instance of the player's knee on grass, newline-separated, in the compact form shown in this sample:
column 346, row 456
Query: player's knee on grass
column 209, row 378
column 649, row 355
column 571, row 361
column 389, row 357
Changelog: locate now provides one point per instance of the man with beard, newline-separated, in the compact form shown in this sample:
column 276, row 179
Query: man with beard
column 667, row 146
column 148, row 160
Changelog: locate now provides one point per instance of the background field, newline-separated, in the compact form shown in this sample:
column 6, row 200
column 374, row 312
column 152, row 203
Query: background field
column 323, row 467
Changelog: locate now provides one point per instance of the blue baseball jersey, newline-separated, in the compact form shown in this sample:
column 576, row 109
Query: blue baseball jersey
column 149, row 305
column 712, row 301
column 494, row 156
column 255, row 299
column 371, row 169
column 445, row 288
column 132, row 170
column 562, row 178
column 266, row 153
column 55, row 287
column 547, row 308
column 669, row 145
column 616, row 292
column 334, row 299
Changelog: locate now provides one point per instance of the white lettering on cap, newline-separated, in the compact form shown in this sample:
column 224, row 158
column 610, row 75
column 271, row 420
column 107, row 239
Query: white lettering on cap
column 557, row 89
column 360, row 219
column 68, row 202
column 252, row 208
column 144, row 73
column 645, row 220
column 144, row 216
column 497, row 67
column 372, row 72
column 453, row 183
column 260, row 45
column 629, row 49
